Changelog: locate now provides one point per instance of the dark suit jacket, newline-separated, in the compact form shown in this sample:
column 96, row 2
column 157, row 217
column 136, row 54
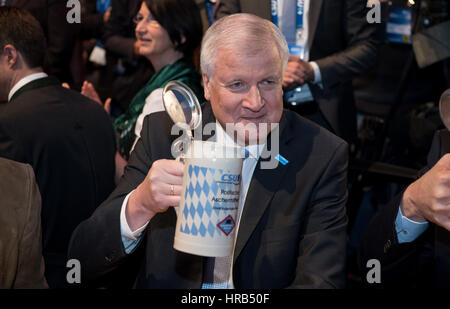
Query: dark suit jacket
column 343, row 45
column 423, row 262
column 292, row 232
column 21, row 262
column 69, row 141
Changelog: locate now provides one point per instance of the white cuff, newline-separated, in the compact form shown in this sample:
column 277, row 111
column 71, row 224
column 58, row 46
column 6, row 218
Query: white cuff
column 317, row 74
column 124, row 227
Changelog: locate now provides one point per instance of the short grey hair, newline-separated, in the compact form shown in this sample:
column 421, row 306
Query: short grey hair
column 241, row 32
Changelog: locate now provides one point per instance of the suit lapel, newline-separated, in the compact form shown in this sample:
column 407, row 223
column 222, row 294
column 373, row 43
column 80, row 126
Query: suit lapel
column 207, row 118
column 315, row 7
column 263, row 186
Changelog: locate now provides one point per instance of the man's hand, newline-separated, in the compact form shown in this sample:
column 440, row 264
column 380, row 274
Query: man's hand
column 160, row 190
column 298, row 72
column 428, row 198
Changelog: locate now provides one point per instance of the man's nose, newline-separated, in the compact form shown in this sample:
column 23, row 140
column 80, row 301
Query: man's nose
column 253, row 99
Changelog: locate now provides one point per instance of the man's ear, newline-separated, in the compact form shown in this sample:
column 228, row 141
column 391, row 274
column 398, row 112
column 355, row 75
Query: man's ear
column 11, row 55
column 206, row 85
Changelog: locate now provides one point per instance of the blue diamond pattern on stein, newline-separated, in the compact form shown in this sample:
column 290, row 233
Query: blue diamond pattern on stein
column 191, row 190
column 206, row 188
column 198, row 189
column 200, row 210
column 211, row 229
column 194, row 230
column 204, row 170
column 199, row 217
column 208, row 208
column 185, row 212
column 192, row 210
column 202, row 230
column 196, row 170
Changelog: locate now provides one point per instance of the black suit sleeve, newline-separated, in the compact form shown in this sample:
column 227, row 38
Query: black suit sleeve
column 97, row 242
column 321, row 259
column 361, row 47
column 406, row 263
column 10, row 141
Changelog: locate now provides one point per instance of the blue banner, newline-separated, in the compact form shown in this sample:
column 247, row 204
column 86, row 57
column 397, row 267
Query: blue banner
column 398, row 27
column 103, row 6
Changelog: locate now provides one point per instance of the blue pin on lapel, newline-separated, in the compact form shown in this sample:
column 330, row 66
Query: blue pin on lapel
column 281, row 159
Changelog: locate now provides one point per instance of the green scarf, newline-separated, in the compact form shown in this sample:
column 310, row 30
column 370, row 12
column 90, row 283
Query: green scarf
column 183, row 71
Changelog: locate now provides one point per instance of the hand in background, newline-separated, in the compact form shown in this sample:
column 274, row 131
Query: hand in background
column 298, row 72
column 121, row 163
column 89, row 91
column 428, row 198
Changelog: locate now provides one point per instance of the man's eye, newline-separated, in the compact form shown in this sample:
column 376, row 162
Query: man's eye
column 235, row 85
column 268, row 82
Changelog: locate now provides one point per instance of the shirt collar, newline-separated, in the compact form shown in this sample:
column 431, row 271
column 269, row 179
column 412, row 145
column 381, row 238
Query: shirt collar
column 26, row 80
column 223, row 138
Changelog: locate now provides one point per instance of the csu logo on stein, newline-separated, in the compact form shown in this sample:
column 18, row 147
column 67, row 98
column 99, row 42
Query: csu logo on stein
column 230, row 178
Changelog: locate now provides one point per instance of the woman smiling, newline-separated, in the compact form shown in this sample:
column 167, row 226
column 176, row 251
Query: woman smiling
column 168, row 32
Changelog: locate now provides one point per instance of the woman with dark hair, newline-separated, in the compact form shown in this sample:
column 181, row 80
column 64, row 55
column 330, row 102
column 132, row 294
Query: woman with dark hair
column 168, row 32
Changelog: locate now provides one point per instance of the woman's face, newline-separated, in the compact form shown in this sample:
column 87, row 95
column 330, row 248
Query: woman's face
column 152, row 37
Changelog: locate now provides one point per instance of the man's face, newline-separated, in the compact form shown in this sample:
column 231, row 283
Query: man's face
column 246, row 90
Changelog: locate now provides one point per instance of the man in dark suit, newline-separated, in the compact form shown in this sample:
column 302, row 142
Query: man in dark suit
column 341, row 43
column 60, row 34
column 292, row 229
column 410, row 236
column 67, row 139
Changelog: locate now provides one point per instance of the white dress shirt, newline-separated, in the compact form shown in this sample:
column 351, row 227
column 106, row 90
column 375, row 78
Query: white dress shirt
column 131, row 238
column 287, row 22
column 26, row 80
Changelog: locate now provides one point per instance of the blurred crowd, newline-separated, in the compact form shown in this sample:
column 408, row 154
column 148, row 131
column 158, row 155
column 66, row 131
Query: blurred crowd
column 68, row 129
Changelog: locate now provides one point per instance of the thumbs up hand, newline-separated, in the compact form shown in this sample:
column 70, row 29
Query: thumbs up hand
column 428, row 198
